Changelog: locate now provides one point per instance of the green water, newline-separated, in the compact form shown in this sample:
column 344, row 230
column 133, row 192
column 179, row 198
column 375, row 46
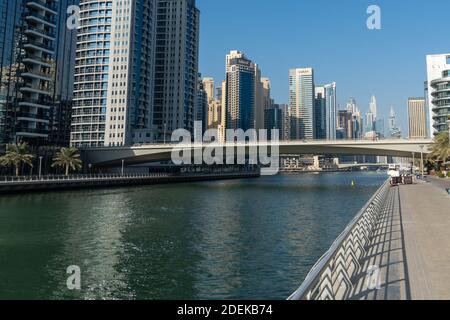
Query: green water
column 241, row 239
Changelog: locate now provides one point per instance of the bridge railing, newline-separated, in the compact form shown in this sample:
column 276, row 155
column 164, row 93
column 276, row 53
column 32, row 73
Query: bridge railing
column 170, row 144
column 331, row 277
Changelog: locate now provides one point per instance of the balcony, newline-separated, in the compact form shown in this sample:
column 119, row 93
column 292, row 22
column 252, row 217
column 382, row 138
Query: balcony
column 32, row 117
column 37, row 75
column 439, row 81
column 32, row 132
column 39, row 46
column 25, row 102
column 41, row 5
column 33, row 59
column 37, row 18
column 33, row 89
column 49, row 35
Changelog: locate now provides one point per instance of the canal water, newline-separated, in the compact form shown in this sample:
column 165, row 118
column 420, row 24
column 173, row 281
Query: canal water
column 240, row 239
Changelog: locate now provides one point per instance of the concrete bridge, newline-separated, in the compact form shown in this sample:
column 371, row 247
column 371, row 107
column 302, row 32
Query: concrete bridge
column 139, row 154
column 358, row 165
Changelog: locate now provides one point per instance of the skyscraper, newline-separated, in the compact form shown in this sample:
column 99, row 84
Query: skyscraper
column 35, row 71
column 357, row 123
column 331, row 111
column 273, row 120
column 351, row 105
column 394, row 130
column 344, row 125
column 417, row 118
column 320, row 112
column 201, row 105
column 301, row 102
column 240, row 91
column 286, row 118
column 208, row 86
column 176, row 63
column 438, row 71
column 114, row 73
column 371, row 116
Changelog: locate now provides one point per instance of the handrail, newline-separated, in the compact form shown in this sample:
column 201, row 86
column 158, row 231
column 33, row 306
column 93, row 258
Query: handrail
column 327, row 259
column 9, row 180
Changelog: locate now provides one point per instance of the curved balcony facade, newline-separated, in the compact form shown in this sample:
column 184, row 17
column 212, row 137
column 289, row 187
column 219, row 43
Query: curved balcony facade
column 441, row 102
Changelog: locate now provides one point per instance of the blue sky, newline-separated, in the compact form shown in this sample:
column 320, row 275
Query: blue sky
column 331, row 36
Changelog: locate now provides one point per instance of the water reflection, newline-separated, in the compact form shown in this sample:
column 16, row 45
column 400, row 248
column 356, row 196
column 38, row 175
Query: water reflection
column 249, row 239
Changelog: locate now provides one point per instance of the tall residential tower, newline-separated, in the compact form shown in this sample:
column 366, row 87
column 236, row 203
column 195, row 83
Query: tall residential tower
column 438, row 71
column 36, row 70
column 176, row 77
column 114, row 73
column 301, row 97
column 417, row 118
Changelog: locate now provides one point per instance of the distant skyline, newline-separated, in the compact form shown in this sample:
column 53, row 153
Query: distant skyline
column 331, row 37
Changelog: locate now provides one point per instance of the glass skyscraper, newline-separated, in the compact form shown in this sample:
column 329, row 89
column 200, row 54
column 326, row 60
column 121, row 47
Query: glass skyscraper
column 35, row 71
column 240, row 97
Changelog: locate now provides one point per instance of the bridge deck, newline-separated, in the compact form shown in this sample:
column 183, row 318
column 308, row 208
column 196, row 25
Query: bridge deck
column 410, row 246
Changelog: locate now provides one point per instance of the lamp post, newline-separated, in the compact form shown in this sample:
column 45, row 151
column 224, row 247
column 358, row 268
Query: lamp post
column 413, row 162
column 40, row 167
column 421, row 159
column 165, row 129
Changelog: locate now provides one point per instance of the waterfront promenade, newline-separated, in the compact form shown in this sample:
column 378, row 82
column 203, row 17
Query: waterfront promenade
column 426, row 224
column 406, row 251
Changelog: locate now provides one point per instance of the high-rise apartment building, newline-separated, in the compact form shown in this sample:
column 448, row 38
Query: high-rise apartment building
column 320, row 113
column 394, row 130
column 417, row 118
column 273, row 121
column 208, row 86
column 331, row 111
column 301, row 97
column 240, row 92
column 286, row 119
column 201, row 105
column 357, row 123
column 136, row 71
column 371, row 116
column 176, row 63
column 325, row 112
column 438, row 71
column 35, row 71
column 114, row 73
column 344, row 125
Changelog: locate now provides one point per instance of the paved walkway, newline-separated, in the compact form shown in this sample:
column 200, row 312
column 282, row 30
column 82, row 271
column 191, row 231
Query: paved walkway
column 386, row 251
column 425, row 210
column 410, row 246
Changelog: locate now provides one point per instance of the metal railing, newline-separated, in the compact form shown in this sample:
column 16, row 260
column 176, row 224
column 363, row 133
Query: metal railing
column 78, row 177
column 331, row 277
column 5, row 180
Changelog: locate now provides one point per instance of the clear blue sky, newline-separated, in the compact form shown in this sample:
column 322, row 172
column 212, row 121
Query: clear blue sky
column 331, row 36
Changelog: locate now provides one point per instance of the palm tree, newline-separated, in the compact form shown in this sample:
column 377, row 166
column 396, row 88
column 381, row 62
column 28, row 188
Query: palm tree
column 16, row 154
column 440, row 148
column 68, row 158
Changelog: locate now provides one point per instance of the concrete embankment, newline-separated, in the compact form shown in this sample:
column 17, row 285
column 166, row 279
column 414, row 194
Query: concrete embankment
column 67, row 183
